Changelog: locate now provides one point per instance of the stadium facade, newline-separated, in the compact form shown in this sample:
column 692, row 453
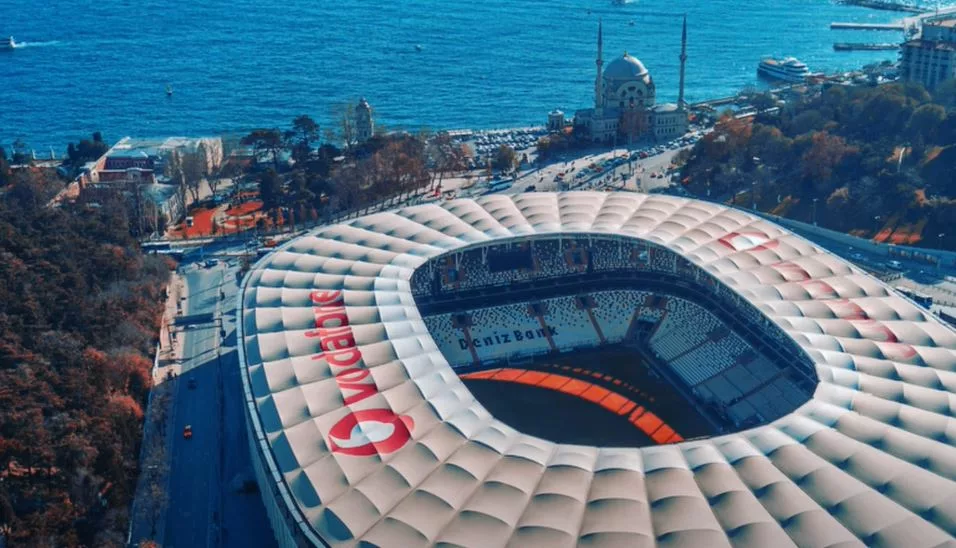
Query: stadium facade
column 362, row 432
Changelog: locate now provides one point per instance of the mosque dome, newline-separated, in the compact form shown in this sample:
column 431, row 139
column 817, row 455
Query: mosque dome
column 625, row 68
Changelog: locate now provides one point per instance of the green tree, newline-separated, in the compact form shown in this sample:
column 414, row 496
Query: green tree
column 265, row 140
column 270, row 189
column 302, row 137
column 925, row 122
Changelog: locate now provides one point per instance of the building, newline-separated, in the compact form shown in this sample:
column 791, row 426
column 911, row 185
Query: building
column 137, row 161
column 363, row 434
column 364, row 123
column 625, row 101
column 556, row 120
column 931, row 58
column 138, row 168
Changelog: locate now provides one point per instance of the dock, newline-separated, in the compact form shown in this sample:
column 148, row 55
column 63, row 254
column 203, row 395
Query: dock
column 855, row 46
column 868, row 26
column 887, row 5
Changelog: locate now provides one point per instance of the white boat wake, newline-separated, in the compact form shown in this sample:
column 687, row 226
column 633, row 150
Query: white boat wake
column 24, row 45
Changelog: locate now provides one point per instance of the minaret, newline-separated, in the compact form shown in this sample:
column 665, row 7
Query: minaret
column 683, row 61
column 599, row 82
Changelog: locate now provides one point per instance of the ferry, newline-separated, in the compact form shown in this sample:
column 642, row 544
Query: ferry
column 788, row 70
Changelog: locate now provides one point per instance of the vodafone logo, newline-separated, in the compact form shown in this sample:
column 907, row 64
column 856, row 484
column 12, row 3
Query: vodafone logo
column 748, row 241
column 370, row 432
column 360, row 433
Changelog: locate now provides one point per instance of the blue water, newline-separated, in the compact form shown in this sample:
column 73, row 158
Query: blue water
column 239, row 64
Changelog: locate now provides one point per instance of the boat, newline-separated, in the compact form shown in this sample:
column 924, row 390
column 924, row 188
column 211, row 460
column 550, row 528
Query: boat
column 788, row 69
column 169, row 90
column 418, row 47
column 9, row 44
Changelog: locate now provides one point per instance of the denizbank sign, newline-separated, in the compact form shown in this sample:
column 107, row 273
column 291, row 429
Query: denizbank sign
column 360, row 433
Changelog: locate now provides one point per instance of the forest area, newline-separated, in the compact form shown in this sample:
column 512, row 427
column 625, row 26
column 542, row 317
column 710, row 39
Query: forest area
column 876, row 162
column 80, row 308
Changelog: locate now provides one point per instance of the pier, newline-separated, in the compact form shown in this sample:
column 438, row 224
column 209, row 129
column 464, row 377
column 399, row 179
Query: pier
column 887, row 5
column 855, row 46
column 868, row 26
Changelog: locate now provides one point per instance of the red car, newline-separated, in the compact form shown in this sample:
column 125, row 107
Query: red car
column 188, row 432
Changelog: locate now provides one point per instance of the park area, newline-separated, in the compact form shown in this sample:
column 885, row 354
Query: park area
column 223, row 219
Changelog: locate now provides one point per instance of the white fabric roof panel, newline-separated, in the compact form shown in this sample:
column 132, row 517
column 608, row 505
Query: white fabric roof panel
column 377, row 439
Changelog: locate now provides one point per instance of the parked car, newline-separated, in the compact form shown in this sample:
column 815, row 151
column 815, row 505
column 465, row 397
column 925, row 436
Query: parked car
column 188, row 431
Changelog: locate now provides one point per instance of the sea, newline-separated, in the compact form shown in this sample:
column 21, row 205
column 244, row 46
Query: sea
column 235, row 65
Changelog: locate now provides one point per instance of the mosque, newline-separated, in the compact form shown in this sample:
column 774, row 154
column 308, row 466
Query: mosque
column 625, row 107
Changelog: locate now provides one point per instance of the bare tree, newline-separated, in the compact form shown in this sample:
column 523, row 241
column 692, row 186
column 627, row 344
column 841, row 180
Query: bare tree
column 447, row 155
column 344, row 116
column 194, row 170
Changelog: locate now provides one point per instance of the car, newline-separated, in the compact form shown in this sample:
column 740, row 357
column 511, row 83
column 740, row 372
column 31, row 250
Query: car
column 895, row 265
column 188, row 432
column 191, row 383
column 211, row 263
column 530, row 188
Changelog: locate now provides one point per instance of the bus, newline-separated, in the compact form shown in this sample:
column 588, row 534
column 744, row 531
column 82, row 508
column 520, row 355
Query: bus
column 919, row 298
column 155, row 247
column 498, row 186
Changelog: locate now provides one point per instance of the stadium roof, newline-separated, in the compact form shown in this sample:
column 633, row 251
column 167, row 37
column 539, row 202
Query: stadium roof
column 412, row 459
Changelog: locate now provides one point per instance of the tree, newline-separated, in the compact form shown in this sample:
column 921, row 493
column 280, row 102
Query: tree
column 193, row 169
column 505, row 158
column 763, row 101
column 447, row 155
column 825, row 153
column 302, row 136
column 945, row 93
column 86, row 150
column 4, row 168
column 265, row 140
column 270, row 189
column 344, row 116
column 925, row 122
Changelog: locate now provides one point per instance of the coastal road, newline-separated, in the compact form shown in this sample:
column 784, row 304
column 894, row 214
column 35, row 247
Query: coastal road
column 204, row 504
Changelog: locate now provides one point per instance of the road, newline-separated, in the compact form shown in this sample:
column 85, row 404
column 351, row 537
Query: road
column 206, row 505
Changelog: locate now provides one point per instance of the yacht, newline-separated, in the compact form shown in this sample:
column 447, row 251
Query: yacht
column 788, row 70
column 9, row 44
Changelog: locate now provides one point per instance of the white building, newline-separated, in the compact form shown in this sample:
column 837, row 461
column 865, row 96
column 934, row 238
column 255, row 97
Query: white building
column 625, row 102
column 931, row 58
column 364, row 124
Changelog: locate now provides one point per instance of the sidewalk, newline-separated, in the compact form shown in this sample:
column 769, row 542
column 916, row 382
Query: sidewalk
column 166, row 367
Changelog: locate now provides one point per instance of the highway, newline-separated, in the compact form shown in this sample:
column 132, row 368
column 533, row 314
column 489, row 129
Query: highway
column 207, row 506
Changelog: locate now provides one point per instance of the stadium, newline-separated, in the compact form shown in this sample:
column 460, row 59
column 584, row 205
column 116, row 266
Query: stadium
column 594, row 369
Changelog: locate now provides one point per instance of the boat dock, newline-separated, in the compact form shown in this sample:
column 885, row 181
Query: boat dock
column 855, row 46
column 868, row 26
column 887, row 5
